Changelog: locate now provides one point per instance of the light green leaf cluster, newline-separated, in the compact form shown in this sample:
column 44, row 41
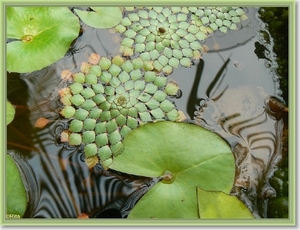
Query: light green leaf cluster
column 172, row 36
column 219, row 18
column 109, row 99
column 162, row 35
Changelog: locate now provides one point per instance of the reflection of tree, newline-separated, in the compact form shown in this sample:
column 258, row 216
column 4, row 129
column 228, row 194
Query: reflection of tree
column 260, row 51
column 276, row 21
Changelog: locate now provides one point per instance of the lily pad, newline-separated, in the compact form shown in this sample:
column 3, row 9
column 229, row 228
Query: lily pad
column 16, row 197
column 10, row 112
column 101, row 17
column 41, row 36
column 219, row 205
column 186, row 155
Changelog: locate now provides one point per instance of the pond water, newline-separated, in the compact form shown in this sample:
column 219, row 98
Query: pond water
column 227, row 91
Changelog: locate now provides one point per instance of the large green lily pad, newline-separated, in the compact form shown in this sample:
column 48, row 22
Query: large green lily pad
column 219, row 205
column 10, row 112
column 187, row 155
column 43, row 36
column 101, row 17
column 16, row 197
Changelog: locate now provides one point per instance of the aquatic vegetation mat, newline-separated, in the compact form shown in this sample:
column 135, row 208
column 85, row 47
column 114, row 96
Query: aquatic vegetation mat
column 110, row 98
column 172, row 36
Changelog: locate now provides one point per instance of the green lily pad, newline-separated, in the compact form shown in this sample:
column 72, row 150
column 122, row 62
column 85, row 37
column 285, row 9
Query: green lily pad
column 101, row 17
column 16, row 197
column 10, row 112
column 219, row 205
column 43, row 36
column 191, row 155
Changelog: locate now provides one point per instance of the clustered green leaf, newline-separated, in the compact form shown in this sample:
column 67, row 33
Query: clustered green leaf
column 106, row 101
column 219, row 18
column 172, row 36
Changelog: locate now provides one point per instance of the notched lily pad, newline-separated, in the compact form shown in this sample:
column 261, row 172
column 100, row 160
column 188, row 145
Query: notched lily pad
column 42, row 35
column 101, row 17
column 192, row 156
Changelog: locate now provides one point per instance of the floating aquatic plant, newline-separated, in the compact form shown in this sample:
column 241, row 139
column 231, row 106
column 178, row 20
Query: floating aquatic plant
column 101, row 17
column 184, row 156
column 172, row 36
column 163, row 35
column 218, row 18
column 219, row 205
column 105, row 101
column 39, row 36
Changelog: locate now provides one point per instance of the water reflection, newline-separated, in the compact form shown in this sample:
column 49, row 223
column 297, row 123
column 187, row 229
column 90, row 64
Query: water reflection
column 242, row 118
column 61, row 185
column 59, row 182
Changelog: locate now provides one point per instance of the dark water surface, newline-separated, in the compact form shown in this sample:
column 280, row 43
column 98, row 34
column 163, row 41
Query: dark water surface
column 227, row 91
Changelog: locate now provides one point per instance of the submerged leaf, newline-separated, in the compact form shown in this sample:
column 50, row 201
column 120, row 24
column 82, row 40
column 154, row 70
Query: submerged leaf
column 101, row 17
column 41, row 122
column 83, row 216
column 191, row 154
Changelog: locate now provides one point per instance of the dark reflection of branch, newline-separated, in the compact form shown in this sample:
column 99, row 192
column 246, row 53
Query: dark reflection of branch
column 193, row 100
column 216, row 79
